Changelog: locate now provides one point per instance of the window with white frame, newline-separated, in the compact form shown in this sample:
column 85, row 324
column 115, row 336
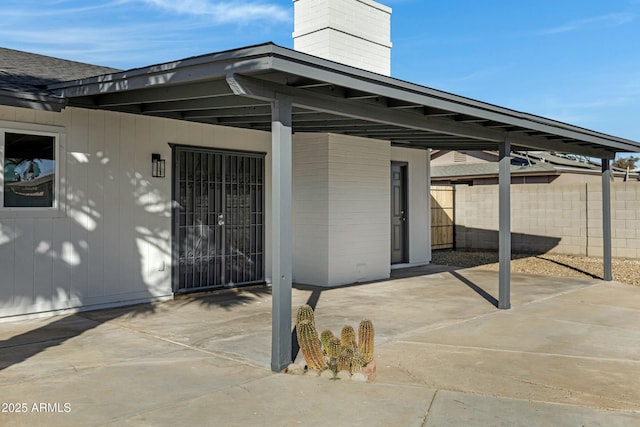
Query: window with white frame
column 28, row 177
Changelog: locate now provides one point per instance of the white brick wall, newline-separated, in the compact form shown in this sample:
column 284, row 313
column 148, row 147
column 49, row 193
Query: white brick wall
column 359, row 206
column 341, row 209
column 353, row 32
column 310, row 209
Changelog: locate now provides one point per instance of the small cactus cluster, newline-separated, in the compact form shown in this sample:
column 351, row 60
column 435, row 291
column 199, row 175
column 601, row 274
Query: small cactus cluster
column 330, row 352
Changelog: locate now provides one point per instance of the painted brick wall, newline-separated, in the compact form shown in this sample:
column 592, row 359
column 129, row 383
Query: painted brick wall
column 310, row 208
column 352, row 32
column 341, row 209
column 359, row 206
column 563, row 219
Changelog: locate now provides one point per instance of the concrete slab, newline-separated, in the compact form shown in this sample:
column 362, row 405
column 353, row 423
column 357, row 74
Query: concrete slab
column 298, row 401
column 567, row 352
column 461, row 409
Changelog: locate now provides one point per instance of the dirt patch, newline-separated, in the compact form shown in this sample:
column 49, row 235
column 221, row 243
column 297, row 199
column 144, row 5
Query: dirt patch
column 624, row 270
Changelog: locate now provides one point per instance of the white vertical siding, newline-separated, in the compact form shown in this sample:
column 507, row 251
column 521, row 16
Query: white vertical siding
column 111, row 242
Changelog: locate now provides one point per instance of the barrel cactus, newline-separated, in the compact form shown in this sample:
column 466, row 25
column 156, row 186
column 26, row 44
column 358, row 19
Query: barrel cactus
column 334, row 348
column 365, row 339
column 305, row 312
column 358, row 361
column 310, row 345
column 325, row 336
column 344, row 360
column 348, row 336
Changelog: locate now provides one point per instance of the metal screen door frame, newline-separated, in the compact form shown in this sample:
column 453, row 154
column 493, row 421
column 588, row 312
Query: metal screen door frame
column 218, row 207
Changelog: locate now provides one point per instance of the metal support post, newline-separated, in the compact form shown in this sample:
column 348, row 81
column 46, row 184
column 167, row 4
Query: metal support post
column 606, row 219
column 504, row 276
column 282, row 240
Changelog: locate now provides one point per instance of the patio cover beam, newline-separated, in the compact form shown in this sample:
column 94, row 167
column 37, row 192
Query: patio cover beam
column 282, row 236
column 606, row 219
column 262, row 90
column 504, row 234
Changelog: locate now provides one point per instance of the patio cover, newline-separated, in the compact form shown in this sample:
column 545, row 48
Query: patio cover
column 271, row 88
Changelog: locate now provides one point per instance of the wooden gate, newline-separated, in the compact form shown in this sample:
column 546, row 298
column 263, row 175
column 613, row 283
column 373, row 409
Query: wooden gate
column 442, row 217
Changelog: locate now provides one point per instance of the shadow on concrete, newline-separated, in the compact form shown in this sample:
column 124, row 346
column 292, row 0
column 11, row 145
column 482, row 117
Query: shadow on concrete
column 21, row 347
column 60, row 329
column 484, row 294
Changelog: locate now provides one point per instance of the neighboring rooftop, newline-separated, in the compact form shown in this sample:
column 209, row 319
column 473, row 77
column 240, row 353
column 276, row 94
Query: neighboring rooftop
column 533, row 163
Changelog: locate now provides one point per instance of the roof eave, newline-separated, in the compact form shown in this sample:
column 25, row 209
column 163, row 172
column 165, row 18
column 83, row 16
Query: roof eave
column 34, row 101
column 269, row 57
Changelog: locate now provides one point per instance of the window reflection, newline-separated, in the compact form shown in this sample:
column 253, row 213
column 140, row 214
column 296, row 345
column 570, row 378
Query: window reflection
column 29, row 170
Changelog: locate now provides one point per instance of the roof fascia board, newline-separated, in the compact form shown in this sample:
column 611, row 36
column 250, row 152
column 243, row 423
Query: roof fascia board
column 159, row 76
column 166, row 94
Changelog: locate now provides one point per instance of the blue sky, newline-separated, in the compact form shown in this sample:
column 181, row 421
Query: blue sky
column 576, row 61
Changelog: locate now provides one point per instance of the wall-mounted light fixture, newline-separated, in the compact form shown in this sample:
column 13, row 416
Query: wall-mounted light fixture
column 157, row 166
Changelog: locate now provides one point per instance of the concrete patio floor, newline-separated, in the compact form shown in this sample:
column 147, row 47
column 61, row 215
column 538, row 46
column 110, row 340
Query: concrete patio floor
column 566, row 354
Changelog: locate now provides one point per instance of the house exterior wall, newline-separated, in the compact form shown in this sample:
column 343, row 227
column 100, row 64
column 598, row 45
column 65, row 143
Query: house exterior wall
column 110, row 242
column 342, row 204
column 310, row 208
column 565, row 219
column 359, row 209
column 352, row 32
column 341, row 193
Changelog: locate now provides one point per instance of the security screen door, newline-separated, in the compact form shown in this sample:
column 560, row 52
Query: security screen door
column 218, row 219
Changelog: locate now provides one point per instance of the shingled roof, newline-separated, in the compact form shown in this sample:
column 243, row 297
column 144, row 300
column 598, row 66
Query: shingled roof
column 24, row 78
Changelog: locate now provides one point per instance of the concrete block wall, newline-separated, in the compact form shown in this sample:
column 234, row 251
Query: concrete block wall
column 352, row 32
column 564, row 219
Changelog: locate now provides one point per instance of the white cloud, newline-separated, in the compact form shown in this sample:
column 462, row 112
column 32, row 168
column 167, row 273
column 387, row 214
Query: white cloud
column 604, row 21
column 226, row 12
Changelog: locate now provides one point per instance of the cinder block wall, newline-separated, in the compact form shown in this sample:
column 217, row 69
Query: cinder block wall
column 565, row 219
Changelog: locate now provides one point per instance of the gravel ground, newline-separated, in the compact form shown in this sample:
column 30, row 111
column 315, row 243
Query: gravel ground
column 624, row 270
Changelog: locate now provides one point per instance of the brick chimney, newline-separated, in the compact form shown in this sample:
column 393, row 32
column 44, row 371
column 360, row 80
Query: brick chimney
column 352, row 32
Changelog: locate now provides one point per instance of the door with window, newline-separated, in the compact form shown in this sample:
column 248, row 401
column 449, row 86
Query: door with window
column 218, row 219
